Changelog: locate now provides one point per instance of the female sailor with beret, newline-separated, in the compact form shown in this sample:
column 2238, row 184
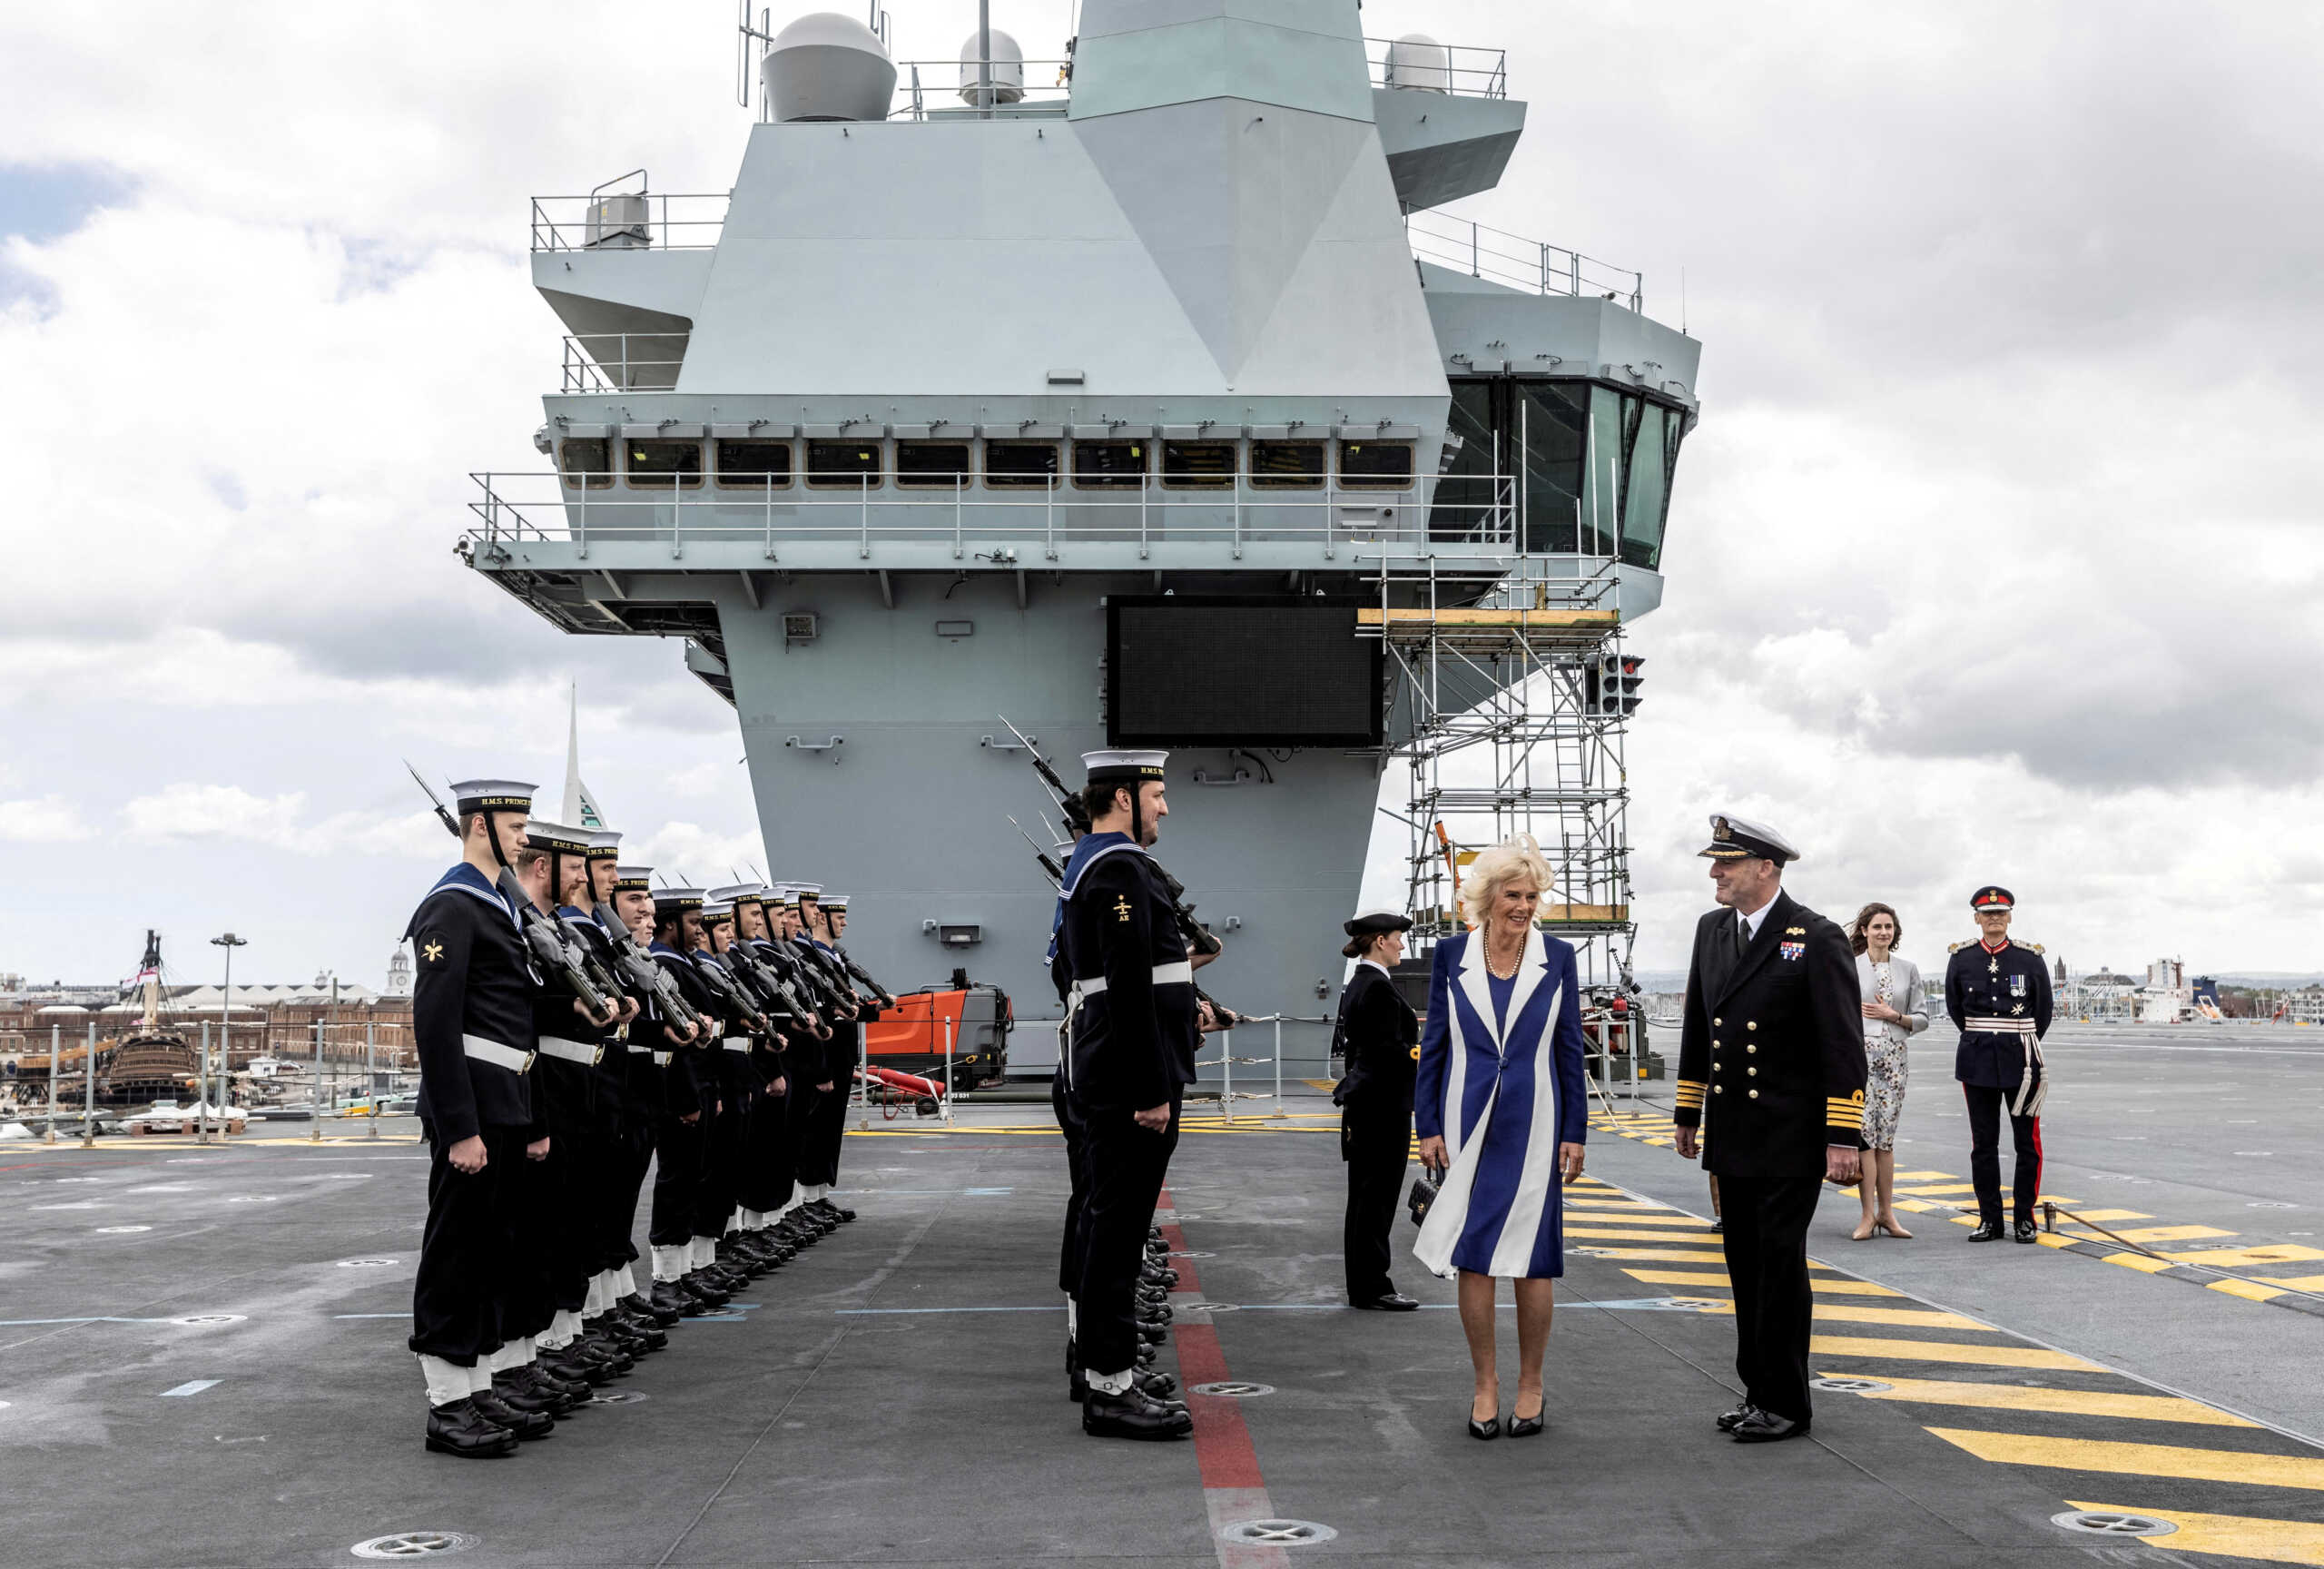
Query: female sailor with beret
column 1500, row 1107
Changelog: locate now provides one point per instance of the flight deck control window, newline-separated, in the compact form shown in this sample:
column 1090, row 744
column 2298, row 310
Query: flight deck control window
column 1375, row 465
column 1109, row 464
column 842, row 464
column 1020, row 465
column 1286, row 465
column 747, row 465
column 1198, row 465
column 943, row 464
column 587, row 461
column 661, row 465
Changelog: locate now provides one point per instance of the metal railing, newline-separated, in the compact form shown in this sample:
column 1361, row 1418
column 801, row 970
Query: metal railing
column 582, row 508
column 622, row 361
column 1454, row 68
column 1532, row 265
column 628, row 221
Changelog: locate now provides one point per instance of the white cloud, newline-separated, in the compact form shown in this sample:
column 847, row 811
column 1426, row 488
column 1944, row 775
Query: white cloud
column 49, row 820
column 682, row 851
column 186, row 810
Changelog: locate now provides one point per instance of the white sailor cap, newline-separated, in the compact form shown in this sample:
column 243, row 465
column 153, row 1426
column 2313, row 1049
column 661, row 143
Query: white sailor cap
column 604, row 846
column 543, row 836
column 470, row 795
column 1733, row 838
column 1123, row 767
column 803, row 891
column 714, row 909
column 666, row 899
column 633, row 879
column 833, row 902
column 738, row 894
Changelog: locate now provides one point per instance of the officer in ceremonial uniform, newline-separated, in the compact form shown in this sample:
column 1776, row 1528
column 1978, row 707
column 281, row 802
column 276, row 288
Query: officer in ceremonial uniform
column 1771, row 1076
column 1128, row 1056
column 472, row 1025
column 1379, row 1037
column 1998, row 994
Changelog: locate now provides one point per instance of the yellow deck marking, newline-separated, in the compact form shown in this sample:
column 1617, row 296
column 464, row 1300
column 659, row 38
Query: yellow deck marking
column 1661, row 1255
column 1913, row 1317
column 2140, row 1262
column 2248, row 1290
column 2302, row 1283
column 1622, row 1234
column 2082, row 1215
column 2267, row 1253
column 1927, row 1177
column 1664, row 1219
column 1718, row 1277
column 2076, row 1402
column 2234, row 1535
column 2140, row 1459
column 1941, row 1188
column 1943, row 1351
column 2166, row 1234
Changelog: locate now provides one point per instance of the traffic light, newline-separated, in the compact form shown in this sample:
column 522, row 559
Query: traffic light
column 1610, row 686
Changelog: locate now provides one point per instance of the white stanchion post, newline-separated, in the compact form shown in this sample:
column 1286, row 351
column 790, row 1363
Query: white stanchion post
column 1227, row 1065
column 202, row 1089
column 946, row 1101
column 89, row 1090
column 55, row 1038
column 370, row 1074
column 1279, row 1112
column 316, row 1136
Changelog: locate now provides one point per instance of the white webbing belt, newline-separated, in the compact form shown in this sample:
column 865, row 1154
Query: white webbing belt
column 742, row 1044
column 1164, row 974
column 2001, row 1026
column 565, row 1050
column 500, row 1056
column 2031, row 1092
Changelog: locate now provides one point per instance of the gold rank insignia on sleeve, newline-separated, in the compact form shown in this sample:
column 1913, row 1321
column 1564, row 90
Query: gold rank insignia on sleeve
column 432, row 952
column 1121, row 909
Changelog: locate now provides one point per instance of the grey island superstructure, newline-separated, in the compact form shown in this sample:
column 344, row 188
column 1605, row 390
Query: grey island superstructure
column 1159, row 406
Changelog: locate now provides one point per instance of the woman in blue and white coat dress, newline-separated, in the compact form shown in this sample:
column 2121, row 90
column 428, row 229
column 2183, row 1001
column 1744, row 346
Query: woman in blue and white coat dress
column 1501, row 1110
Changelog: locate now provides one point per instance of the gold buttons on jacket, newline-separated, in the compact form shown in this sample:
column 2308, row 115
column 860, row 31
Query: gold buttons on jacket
column 1750, row 1024
column 1716, row 1044
column 1754, row 1072
column 1719, row 1089
column 1755, row 1094
column 1714, row 1067
column 1753, row 1050
column 1716, row 1021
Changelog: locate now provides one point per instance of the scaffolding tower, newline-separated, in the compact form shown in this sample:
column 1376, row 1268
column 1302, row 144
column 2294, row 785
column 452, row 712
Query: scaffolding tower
column 1510, row 708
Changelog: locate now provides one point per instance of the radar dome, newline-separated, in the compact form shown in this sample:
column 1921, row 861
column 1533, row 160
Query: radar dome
column 1417, row 62
column 826, row 66
column 1008, row 78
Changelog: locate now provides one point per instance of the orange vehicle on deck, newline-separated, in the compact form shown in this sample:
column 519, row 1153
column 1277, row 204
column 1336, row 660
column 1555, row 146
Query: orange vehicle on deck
column 910, row 1036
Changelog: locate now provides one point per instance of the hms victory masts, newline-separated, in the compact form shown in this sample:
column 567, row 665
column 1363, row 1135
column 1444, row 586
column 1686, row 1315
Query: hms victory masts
column 1137, row 395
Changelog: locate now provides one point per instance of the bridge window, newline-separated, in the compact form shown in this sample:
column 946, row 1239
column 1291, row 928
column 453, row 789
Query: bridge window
column 1286, row 465
column 842, row 464
column 744, row 464
column 586, row 460
column 1020, row 465
column 662, row 465
column 1109, row 464
column 1198, row 465
column 1375, row 465
column 934, row 463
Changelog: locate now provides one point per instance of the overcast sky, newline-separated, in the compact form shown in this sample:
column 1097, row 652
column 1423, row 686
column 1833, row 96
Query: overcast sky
column 1995, row 557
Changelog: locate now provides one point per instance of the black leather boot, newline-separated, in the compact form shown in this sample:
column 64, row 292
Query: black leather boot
column 524, row 1425
column 1131, row 1414
column 458, row 1427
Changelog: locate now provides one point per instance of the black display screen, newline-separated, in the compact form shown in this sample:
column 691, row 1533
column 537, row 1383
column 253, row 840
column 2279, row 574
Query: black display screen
column 1204, row 671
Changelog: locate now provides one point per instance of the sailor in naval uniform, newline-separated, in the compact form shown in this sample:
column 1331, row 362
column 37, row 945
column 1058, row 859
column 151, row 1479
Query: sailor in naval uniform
column 613, row 1189
column 1379, row 1037
column 1127, row 1058
column 842, row 1054
column 1998, row 994
column 1771, row 1076
column 472, row 1025
column 765, row 1183
column 644, row 1059
column 685, row 1272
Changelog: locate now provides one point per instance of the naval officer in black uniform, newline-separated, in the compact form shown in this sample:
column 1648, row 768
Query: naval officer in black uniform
column 1998, row 994
column 472, row 1026
column 1378, row 1038
column 1128, row 1056
column 1771, row 1077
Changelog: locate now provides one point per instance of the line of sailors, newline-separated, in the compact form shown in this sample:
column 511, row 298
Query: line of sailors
column 576, row 1026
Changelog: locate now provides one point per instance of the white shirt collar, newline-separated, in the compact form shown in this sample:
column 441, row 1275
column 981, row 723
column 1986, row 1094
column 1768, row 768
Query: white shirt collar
column 1752, row 922
column 1376, row 965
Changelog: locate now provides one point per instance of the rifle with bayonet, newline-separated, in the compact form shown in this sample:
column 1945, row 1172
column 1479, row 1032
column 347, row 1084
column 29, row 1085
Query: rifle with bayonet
column 1076, row 821
column 772, row 984
column 646, row 980
column 552, row 949
column 863, row 977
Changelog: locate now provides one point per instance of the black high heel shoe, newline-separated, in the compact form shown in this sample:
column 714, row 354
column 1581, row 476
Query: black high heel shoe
column 1526, row 1426
column 1488, row 1428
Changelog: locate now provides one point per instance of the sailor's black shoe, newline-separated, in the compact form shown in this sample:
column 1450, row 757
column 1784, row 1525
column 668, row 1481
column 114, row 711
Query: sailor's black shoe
column 541, row 1376
column 1145, row 1355
column 521, row 1390
column 1729, row 1419
column 1133, row 1415
column 1766, row 1427
column 1150, row 1332
column 1158, row 1386
column 526, row 1424
column 2024, row 1231
column 670, row 1296
column 651, row 1307
column 458, row 1427
column 1388, row 1302
column 1986, row 1231
column 834, row 1212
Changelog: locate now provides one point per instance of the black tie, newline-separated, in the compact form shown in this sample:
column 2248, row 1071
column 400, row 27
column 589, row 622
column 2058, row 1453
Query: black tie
column 1742, row 936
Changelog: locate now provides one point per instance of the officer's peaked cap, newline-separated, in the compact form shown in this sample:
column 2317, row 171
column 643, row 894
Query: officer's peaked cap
column 1733, row 838
column 1993, row 897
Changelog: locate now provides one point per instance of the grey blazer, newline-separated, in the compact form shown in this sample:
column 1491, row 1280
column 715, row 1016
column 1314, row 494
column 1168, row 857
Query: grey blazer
column 1909, row 998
